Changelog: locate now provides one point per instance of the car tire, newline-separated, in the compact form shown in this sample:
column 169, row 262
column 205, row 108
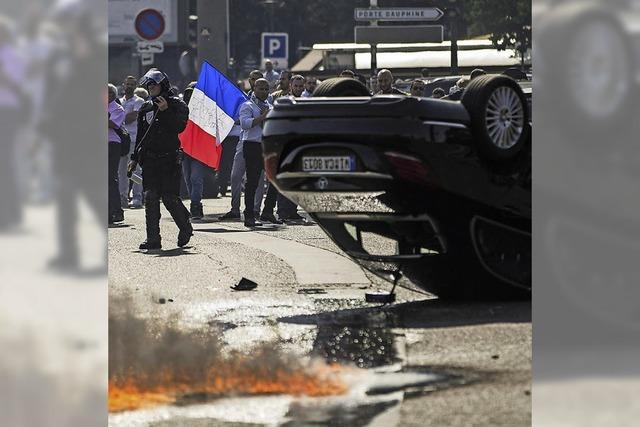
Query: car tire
column 586, row 75
column 341, row 86
column 597, row 92
column 499, row 117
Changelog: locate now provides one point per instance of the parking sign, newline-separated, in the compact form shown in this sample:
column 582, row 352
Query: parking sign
column 275, row 46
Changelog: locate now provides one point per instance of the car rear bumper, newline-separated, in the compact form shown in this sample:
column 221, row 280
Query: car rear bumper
column 411, row 201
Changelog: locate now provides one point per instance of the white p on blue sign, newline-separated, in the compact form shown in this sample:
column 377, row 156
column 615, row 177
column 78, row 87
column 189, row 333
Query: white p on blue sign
column 275, row 46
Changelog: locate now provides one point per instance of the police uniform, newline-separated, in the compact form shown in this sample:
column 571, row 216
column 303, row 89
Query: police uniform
column 158, row 152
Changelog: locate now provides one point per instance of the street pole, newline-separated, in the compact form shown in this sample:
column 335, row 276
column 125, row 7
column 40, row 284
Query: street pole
column 374, row 59
column 522, row 47
column 213, row 33
column 272, row 18
column 228, row 37
column 454, row 46
column 139, row 60
column 374, row 47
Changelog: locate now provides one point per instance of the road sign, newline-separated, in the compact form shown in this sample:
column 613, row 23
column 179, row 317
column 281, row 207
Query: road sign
column 150, row 47
column 398, row 14
column 147, row 59
column 275, row 46
column 250, row 63
column 400, row 34
column 149, row 24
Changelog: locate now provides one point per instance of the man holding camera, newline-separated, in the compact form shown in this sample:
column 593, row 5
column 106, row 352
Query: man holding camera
column 160, row 121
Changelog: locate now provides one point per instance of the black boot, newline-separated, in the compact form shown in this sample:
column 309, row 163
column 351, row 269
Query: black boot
column 180, row 215
column 197, row 211
column 152, row 216
column 149, row 245
column 251, row 222
column 185, row 235
column 269, row 217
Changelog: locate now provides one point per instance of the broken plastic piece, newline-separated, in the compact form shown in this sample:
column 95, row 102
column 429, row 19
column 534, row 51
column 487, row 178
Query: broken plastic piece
column 245, row 285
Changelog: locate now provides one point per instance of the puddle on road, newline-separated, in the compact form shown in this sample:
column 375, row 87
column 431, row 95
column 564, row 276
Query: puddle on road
column 363, row 347
column 360, row 339
column 339, row 415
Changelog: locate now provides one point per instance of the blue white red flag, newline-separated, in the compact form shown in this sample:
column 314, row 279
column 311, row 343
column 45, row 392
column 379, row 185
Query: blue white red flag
column 213, row 109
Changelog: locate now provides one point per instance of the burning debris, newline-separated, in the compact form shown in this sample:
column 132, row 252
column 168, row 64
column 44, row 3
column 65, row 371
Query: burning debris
column 155, row 362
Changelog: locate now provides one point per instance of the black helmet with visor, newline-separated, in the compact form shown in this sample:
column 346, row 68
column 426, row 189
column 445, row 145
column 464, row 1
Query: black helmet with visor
column 158, row 77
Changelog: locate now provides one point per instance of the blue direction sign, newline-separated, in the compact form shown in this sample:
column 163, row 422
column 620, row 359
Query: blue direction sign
column 275, row 46
column 150, row 24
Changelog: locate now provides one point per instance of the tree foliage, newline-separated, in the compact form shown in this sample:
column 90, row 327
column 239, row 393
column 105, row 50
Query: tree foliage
column 329, row 21
column 508, row 22
column 306, row 22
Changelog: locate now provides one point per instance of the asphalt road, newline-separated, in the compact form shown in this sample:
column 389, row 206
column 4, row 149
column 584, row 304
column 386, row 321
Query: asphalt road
column 419, row 361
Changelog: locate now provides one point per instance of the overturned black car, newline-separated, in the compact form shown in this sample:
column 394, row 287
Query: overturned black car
column 435, row 191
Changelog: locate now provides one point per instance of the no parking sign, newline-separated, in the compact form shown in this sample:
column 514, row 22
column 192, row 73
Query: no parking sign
column 150, row 24
column 275, row 46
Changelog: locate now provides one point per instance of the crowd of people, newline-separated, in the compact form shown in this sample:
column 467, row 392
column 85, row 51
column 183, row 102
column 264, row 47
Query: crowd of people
column 152, row 114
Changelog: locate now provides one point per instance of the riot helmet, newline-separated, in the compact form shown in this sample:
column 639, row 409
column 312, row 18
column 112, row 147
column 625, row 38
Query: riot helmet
column 158, row 77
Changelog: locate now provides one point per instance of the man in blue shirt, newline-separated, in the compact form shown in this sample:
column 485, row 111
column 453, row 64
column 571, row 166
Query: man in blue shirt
column 238, row 167
column 287, row 210
column 271, row 75
column 252, row 115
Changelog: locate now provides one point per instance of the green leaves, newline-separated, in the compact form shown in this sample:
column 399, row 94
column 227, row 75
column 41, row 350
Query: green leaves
column 508, row 22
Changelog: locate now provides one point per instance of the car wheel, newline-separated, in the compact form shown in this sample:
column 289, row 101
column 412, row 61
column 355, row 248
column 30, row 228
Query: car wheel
column 499, row 117
column 597, row 73
column 341, row 86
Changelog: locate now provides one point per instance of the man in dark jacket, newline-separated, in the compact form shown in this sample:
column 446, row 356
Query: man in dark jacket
column 385, row 84
column 160, row 121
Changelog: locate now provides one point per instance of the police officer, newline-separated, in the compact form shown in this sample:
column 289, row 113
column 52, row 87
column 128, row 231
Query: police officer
column 160, row 120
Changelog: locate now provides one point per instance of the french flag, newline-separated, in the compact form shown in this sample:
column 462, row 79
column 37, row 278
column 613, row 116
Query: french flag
column 213, row 109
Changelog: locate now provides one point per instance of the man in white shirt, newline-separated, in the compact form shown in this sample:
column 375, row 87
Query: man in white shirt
column 271, row 75
column 238, row 168
column 115, row 115
column 287, row 210
column 252, row 115
column 131, row 104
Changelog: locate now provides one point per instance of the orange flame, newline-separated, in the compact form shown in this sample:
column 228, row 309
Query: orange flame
column 135, row 392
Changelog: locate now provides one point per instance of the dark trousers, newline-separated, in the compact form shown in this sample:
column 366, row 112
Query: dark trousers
column 286, row 208
column 252, row 152
column 174, row 205
column 226, row 162
column 71, row 186
column 161, row 178
column 273, row 195
column 11, row 205
column 75, row 180
column 114, row 191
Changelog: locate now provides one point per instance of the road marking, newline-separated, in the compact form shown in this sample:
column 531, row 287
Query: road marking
column 312, row 266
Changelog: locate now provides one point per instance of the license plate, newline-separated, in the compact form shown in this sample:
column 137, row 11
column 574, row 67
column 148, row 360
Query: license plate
column 329, row 164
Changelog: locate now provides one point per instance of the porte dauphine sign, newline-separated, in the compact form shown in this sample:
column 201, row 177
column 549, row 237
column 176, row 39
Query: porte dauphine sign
column 398, row 14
